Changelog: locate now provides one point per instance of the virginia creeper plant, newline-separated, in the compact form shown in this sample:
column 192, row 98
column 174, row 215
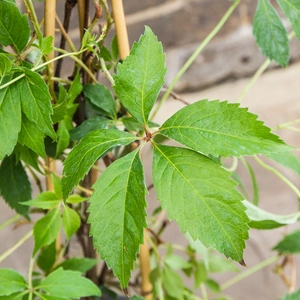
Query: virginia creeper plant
column 43, row 116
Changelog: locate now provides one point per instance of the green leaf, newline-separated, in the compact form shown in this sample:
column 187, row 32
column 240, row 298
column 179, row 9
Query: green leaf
column 36, row 101
column 10, row 118
column 255, row 186
column 63, row 137
column 75, row 89
column 290, row 244
column 73, row 199
column 56, row 185
column 177, row 262
column 202, row 193
column 70, row 221
column 5, row 65
column 114, row 48
column 117, row 214
column 14, row 27
column 291, row 9
column 45, row 200
column 141, row 76
column 80, row 264
column 29, row 157
column 221, row 129
column 46, row 45
column 137, row 298
column 270, row 34
column 14, row 296
column 48, row 297
column 172, row 283
column 200, row 275
column 46, row 229
column 213, row 285
column 11, row 281
column 287, row 159
column 68, row 284
column 293, row 296
column 261, row 219
column 91, row 124
column 47, row 257
column 14, row 185
column 218, row 264
column 101, row 97
column 87, row 152
column 32, row 137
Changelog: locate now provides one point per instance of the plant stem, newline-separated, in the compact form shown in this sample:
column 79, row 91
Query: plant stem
column 278, row 174
column 16, row 245
column 257, row 74
column 287, row 124
column 249, row 272
column 9, row 221
column 106, row 72
column 121, row 30
column 203, row 291
column 30, row 270
column 195, row 55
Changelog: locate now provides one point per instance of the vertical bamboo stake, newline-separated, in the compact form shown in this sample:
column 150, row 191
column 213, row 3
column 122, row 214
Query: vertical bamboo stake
column 121, row 29
column 81, row 10
column 123, row 45
column 49, row 30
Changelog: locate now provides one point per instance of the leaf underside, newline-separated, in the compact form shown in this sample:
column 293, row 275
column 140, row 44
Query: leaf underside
column 270, row 34
column 221, row 129
column 203, row 199
column 117, row 214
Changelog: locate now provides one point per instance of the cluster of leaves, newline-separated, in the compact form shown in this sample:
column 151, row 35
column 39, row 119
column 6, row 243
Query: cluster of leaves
column 269, row 31
column 202, row 198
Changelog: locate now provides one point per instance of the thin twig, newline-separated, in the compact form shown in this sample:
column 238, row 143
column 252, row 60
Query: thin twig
column 176, row 96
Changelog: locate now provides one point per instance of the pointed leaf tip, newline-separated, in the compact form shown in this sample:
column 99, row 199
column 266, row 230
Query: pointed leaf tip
column 242, row 263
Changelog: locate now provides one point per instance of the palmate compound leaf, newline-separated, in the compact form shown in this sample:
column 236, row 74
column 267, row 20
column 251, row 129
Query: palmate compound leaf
column 291, row 9
column 87, row 152
column 201, row 197
column 141, row 76
column 221, row 129
column 270, row 34
column 117, row 214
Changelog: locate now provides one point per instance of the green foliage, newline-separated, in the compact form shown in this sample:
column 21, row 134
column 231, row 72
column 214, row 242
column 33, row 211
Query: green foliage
column 68, row 284
column 78, row 264
column 141, row 76
column 270, row 34
column 5, row 65
column 291, row 9
column 287, row 159
column 117, row 214
column 87, row 152
column 293, row 296
column 11, row 282
column 290, row 244
column 46, row 229
column 261, row 219
column 198, row 126
column 14, row 27
column 203, row 193
column 14, row 184
column 70, row 221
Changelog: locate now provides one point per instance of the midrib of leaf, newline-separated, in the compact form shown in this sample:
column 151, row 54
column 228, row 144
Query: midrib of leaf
column 232, row 243
column 41, row 237
column 144, row 80
column 291, row 5
column 215, row 132
column 124, row 209
column 268, row 18
column 29, row 135
column 104, row 143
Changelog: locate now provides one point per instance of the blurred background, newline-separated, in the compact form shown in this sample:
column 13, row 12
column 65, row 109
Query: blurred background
column 221, row 71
